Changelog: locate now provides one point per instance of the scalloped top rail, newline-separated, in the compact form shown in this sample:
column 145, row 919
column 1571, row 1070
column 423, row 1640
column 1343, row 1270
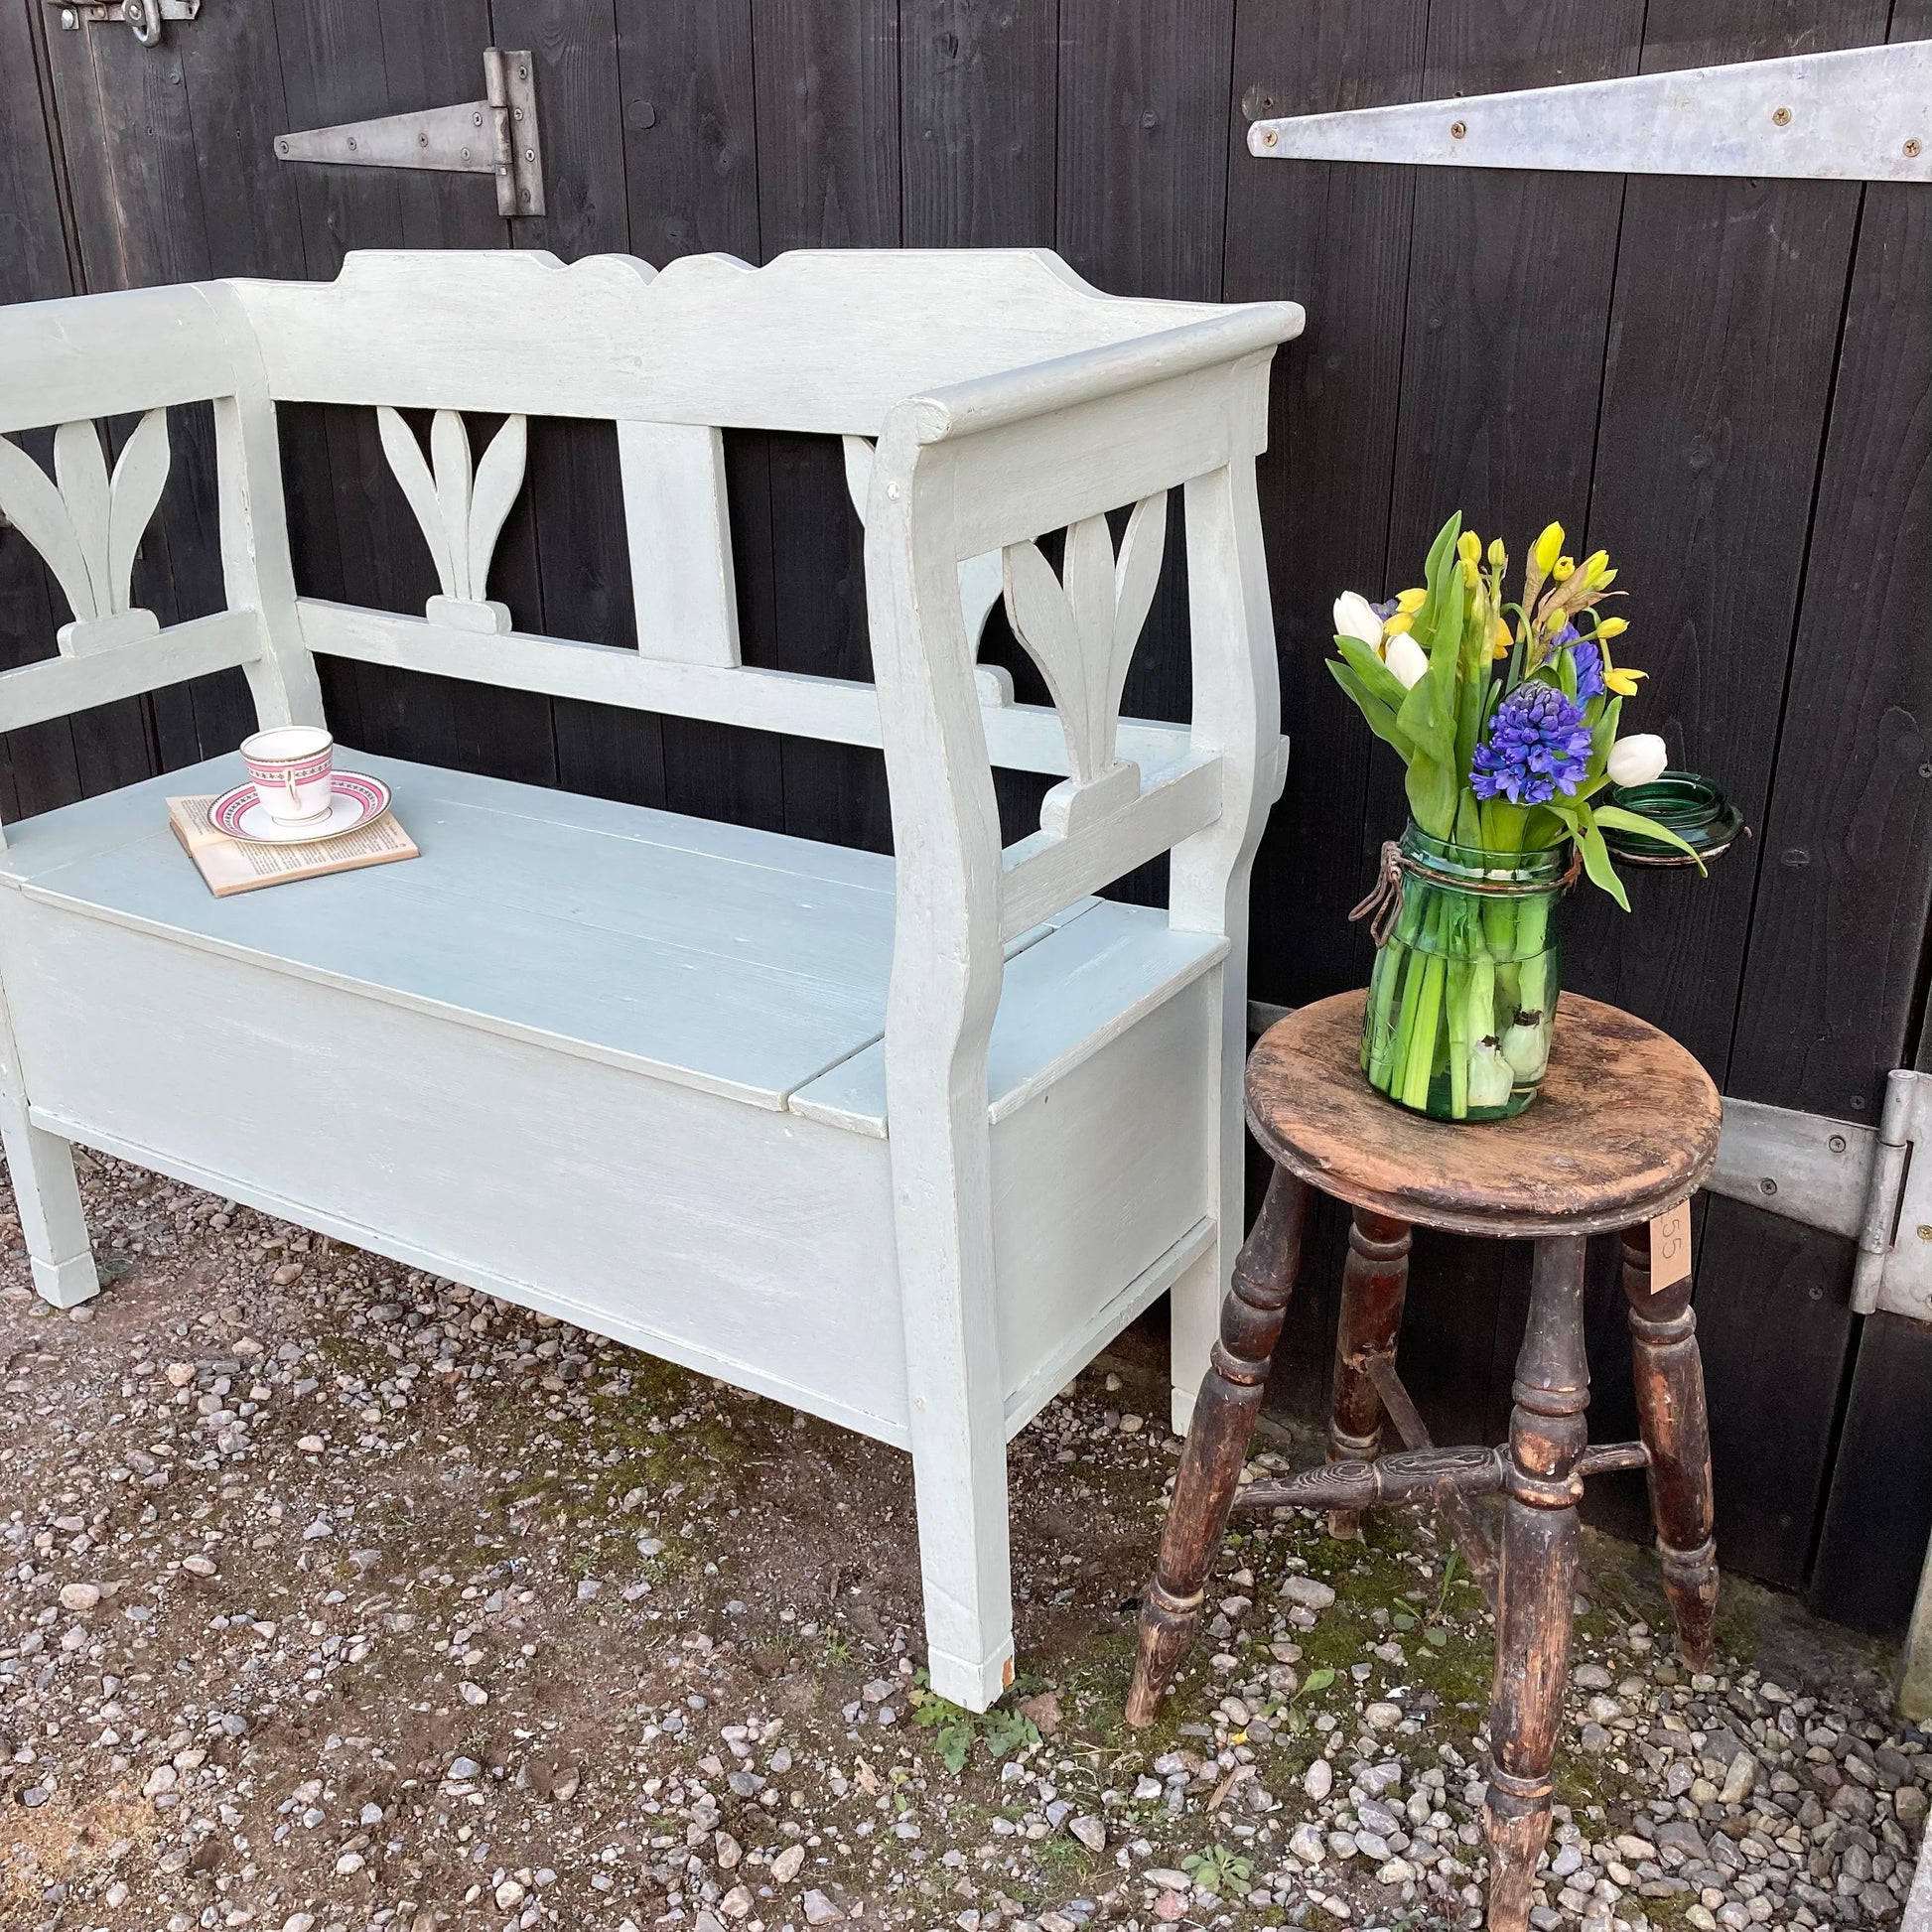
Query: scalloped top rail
column 817, row 341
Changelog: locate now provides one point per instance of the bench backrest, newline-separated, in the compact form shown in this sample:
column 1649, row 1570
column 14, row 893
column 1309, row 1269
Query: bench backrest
column 1055, row 404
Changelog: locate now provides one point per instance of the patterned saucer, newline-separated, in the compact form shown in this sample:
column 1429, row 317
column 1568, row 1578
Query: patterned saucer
column 240, row 814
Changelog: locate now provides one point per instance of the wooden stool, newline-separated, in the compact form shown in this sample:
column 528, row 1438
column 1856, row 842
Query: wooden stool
column 1625, row 1128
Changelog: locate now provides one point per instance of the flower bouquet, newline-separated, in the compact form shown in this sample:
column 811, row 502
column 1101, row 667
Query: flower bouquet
column 1507, row 715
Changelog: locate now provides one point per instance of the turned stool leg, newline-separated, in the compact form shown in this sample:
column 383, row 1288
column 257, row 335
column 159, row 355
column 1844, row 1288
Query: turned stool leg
column 1676, row 1430
column 1374, row 1281
column 1547, row 1435
column 1217, row 1441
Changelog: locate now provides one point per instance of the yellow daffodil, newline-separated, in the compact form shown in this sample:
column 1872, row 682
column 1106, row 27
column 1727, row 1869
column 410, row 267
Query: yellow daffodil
column 1563, row 569
column 1549, row 546
column 1498, row 555
column 1612, row 627
column 1624, row 682
column 1500, row 640
column 1595, row 567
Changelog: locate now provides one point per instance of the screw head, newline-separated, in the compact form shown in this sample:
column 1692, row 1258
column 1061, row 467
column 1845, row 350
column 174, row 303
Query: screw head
column 1457, row 129
column 466, row 154
column 1925, row 1232
column 1915, row 147
column 352, row 144
column 1767, row 1186
column 1269, row 138
column 69, row 20
column 523, row 193
column 281, row 147
column 475, row 120
column 1781, row 117
column 1837, row 1144
column 422, row 140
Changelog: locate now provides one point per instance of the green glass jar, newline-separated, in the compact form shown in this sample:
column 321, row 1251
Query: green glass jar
column 1464, row 993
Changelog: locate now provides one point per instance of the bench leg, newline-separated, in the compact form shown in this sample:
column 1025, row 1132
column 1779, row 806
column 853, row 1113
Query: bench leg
column 48, row 1199
column 1374, row 1282
column 1548, row 1431
column 1676, row 1430
column 965, row 1564
column 1218, row 1443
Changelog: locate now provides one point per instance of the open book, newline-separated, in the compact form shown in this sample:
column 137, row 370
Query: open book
column 229, row 866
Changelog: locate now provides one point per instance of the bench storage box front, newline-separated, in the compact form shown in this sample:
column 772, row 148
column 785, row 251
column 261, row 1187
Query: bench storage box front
column 901, row 1141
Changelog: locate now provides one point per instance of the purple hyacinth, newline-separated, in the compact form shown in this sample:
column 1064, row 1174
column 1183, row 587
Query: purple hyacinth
column 1539, row 745
column 1588, row 660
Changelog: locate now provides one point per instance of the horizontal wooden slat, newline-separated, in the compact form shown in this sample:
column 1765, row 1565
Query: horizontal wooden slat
column 823, row 342
column 1020, row 738
column 54, row 687
column 94, row 356
column 1045, row 873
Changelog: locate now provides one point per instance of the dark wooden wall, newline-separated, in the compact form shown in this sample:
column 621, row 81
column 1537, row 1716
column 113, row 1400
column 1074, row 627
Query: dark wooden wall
column 1726, row 383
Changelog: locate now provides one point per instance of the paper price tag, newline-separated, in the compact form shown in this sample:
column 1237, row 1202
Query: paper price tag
column 1670, row 1248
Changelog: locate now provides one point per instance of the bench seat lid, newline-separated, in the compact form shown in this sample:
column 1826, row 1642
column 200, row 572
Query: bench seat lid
column 742, row 962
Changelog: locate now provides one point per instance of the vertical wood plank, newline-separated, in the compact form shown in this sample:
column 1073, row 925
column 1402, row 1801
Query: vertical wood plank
column 826, row 74
column 38, row 766
column 690, row 142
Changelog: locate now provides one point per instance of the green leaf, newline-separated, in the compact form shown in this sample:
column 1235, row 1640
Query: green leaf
column 1375, row 713
column 1432, row 790
column 1437, row 1635
column 1317, row 1680
column 1597, row 855
column 1625, row 820
column 1402, row 1620
column 1374, row 674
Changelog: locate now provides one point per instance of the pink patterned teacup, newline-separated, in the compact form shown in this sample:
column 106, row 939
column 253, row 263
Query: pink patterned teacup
column 292, row 766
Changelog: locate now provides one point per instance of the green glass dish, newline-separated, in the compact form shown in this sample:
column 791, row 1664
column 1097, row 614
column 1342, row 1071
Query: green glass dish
column 1463, row 996
column 1684, row 804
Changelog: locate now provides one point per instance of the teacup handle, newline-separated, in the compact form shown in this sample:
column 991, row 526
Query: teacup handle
column 288, row 779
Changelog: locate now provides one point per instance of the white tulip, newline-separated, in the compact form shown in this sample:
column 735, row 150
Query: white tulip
column 1637, row 759
column 1355, row 618
column 1405, row 659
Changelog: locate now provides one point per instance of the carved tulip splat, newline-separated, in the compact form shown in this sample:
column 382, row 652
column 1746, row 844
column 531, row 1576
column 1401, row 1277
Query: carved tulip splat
column 979, row 577
column 462, row 514
column 88, row 526
column 1080, row 628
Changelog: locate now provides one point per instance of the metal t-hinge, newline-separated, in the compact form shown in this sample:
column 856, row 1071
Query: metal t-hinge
column 1872, row 1187
column 496, row 135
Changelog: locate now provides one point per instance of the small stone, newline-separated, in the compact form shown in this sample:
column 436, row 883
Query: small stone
column 348, row 1864
column 310, row 1445
column 179, row 1374
column 1167, row 1879
column 80, row 1596
column 1382, row 1716
column 473, row 1692
column 1308, row 1591
column 197, row 1565
column 736, row 1904
column 1594, row 1737
column 877, row 1691
column 1319, row 1779
column 728, row 1851
column 1306, row 1842
column 508, row 1894
column 1739, row 1779
column 786, row 1867
column 1090, row 1832
column 463, row 1770
column 819, row 1910
column 1590, row 1677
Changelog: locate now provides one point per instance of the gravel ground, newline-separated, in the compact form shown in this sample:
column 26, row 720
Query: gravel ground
column 336, row 1597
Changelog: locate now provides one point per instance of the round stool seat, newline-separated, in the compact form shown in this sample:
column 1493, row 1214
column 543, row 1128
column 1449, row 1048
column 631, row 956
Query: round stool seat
column 1625, row 1127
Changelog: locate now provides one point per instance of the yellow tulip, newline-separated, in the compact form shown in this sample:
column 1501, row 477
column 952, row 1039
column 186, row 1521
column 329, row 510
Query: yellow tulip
column 1402, row 621
column 1410, row 601
column 1564, row 568
column 1549, row 546
column 1498, row 555
column 1470, row 572
column 1468, row 546
column 1612, row 627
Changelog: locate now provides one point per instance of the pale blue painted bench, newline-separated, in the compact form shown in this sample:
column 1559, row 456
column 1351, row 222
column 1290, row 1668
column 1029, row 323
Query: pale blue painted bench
column 901, row 1143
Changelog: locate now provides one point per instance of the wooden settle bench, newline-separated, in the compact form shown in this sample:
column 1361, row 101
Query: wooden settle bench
column 900, row 1142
